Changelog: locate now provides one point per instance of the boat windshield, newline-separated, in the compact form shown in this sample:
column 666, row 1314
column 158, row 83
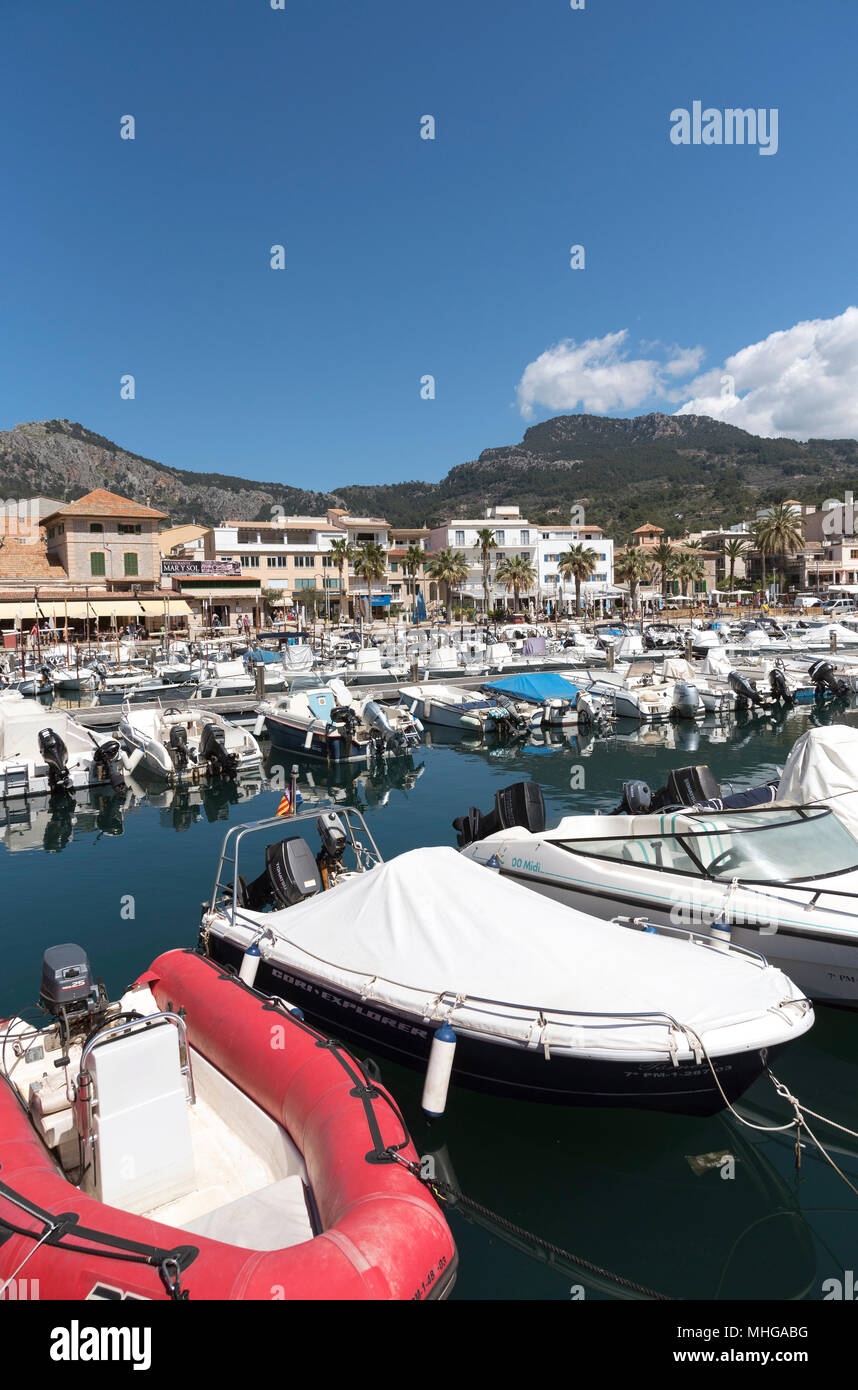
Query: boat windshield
column 758, row 846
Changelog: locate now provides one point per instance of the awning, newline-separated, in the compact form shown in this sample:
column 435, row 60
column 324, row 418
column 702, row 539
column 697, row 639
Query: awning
column 12, row 610
column 155, row 607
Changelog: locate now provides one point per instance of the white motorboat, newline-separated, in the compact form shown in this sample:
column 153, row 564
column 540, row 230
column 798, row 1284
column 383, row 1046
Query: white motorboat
column 48, row 753
column 567, row 1009
column 332, row 722
column 173, row 743
column 640, row 692
column 782, row 879
column 455, row 707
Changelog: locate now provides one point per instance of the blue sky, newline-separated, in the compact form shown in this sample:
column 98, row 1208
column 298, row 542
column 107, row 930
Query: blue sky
column 407, row 257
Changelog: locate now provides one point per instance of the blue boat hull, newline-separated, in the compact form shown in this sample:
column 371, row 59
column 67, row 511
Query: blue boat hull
column 294, row 737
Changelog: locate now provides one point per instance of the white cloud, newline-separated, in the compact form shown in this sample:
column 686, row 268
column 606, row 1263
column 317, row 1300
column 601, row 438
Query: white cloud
column 599, row 375
column 800, row 382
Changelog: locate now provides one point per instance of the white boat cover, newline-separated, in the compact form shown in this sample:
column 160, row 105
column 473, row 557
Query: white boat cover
column 823, row 767
column 676, row 668
column 297, row 658
column 433, row 921
column 717, row 663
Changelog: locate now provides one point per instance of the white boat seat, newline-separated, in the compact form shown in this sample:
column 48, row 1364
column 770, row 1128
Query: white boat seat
column 142, row 1153
column 269, row 1219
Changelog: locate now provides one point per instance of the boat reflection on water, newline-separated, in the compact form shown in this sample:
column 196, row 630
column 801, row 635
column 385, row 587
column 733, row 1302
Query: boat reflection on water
column 186, row 803
column 51, row 823
column 349, row 783
column 730, row 1186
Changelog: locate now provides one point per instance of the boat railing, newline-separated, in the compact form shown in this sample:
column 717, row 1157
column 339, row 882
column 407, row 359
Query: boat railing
column 366, row 855
column 693, row 935
column 442, row 1005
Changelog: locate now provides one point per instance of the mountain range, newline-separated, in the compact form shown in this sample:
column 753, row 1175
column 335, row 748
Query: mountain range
column 681, row 472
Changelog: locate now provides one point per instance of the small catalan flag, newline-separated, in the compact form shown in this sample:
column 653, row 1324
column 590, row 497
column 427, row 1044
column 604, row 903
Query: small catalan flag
column 285, row 807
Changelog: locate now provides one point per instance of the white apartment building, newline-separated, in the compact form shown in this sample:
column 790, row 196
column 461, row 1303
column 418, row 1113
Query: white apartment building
column 555, row 541
column 513, row 536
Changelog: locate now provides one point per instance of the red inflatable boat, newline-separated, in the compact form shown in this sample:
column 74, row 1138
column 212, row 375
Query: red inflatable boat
column 195, row 1140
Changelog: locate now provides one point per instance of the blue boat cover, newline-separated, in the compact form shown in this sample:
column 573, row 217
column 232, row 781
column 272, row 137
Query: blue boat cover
column 535, row 686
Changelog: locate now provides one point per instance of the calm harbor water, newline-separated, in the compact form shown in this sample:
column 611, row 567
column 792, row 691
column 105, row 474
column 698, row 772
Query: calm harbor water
column 629, row 1191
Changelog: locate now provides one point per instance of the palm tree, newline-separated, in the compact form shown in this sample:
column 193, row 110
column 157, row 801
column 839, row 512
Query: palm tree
column 733, row 551
column 342, row 553
column 577, row 563
column 448, row 567
column 690, row 569
column 780, row 533
column 371, row 564
column 516, row 573
column 412, row 563
column 487, row 543
column 631, row 567
column 665, row 557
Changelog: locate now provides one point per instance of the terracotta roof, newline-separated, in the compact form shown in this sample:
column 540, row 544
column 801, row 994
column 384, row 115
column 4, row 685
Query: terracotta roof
column 648, row 526
column 100, row 502
column 28, row 562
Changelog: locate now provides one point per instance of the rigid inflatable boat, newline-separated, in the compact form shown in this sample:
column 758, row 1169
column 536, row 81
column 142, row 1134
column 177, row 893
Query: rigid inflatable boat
column 195, row 1140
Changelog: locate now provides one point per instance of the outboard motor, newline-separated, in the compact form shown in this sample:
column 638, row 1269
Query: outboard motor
column 290, row 876
column 345, row 719
column 823, row 677
column 213, row 751
column 637, row 800
column 55, row 754
column 67, row 992
column 686, row 700
column 521, row 804
column 688, row 786
column 745, row 691
column 780, row 688
column 106, row 764
column 178, row 747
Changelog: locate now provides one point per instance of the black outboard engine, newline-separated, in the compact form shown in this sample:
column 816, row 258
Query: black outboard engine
column 213, row 751
column 55, row 754
column 780, row 688
column 746, row 692
column 637, row 800
column 521, row 804
column 105, row 761
column 67, row 992
column 290, row 876
column 345, row 719
column 823, row 677
column 178, row 747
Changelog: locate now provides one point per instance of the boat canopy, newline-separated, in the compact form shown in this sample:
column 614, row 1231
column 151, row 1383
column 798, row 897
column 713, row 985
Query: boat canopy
column 433, row 921
column 535, row 687
column 821, row 767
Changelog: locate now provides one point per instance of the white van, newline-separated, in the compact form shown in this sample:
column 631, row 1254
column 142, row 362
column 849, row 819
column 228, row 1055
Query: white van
column 838, row 607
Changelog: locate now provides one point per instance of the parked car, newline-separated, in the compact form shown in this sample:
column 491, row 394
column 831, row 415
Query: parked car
column 839, row 606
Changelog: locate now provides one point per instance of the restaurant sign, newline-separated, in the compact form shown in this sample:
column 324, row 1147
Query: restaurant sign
column 200, row 567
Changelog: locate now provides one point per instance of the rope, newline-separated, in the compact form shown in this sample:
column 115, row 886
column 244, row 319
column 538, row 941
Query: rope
column 798, row 1122
column 445, row 1192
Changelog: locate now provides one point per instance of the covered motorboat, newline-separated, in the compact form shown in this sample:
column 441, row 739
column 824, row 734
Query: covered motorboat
column 545, row 698
column 46, row 753
column 183, row 742
column 550, row 1005
column 202, row 1142
column 779, row 879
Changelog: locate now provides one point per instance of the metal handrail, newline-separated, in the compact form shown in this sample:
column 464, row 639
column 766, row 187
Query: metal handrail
column 108, row 1034
column 234, row 836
